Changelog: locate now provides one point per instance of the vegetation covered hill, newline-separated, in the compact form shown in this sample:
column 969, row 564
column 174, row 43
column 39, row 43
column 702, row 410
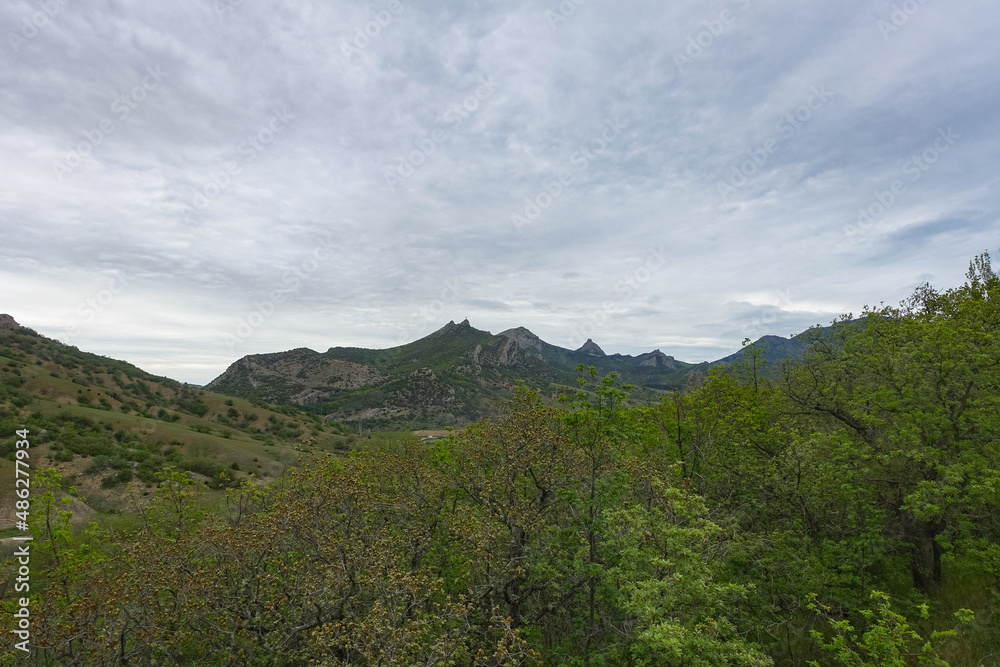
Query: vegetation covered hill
column 105, row 423
column 846, row 513
column 773, row 351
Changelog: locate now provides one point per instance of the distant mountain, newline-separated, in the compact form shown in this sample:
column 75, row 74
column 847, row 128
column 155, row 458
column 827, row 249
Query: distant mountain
column 448, row 377
column 775, row 350
column 591, row 348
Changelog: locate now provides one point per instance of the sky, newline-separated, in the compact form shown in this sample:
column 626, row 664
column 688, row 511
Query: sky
column 188, row 182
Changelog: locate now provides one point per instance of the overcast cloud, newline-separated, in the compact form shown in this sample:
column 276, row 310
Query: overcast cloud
column 187, row 182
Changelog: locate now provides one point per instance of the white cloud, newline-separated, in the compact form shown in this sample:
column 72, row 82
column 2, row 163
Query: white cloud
column 195, row 273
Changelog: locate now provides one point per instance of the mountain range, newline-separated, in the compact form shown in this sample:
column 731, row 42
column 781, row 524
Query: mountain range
column 450, row 376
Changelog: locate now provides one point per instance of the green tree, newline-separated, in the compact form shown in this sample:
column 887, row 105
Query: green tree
column 888, row 641
column 917, row 388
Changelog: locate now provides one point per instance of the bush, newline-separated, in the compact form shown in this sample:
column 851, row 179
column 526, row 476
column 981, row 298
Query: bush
column 90, row 445
column 193, row 406
column 206, row 467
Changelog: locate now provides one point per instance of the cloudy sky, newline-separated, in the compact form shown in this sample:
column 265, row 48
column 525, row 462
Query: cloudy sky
column 191, row 181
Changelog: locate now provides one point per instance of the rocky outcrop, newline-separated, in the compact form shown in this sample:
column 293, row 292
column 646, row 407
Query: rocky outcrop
column 498, row 352
column 423, row 390
column 657, row 359
column 591, row 348
column 509, row 353
column 451, row 328
column 7, row 323
column 299, row 377
column 524, row 338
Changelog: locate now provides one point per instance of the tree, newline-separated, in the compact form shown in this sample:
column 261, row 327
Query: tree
column 918, row 390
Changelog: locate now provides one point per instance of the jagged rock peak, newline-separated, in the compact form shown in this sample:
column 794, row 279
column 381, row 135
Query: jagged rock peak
column 592, row 348
column 657, row 358
column 8, row 322
column 452, row 327
column 524, row 338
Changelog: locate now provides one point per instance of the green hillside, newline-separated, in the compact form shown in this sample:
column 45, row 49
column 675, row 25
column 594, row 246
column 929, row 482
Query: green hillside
column 106, row 424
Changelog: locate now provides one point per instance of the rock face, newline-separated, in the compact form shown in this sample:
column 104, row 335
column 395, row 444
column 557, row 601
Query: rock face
column 299, row 377
column 423, row 388
column 452, row 328
column 592, row 348
column 7, row 322
column 524, row 338
column 657, row 359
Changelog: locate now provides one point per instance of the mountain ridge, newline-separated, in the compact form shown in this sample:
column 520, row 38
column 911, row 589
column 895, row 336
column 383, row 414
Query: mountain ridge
column 447, row 377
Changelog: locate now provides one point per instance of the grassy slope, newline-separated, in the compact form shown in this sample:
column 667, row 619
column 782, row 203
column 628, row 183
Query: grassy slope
column 47, row 386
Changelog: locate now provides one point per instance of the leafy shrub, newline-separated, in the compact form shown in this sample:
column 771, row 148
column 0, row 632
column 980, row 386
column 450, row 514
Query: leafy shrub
column 193, row 406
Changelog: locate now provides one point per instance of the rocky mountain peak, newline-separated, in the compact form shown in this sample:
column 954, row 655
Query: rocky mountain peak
column 658, row 359
column 524, row 338
column 592, row 348
column 451, row 327
column 8, row 322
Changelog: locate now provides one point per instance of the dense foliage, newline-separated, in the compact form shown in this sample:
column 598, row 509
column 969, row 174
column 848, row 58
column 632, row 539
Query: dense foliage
column 848, row 514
